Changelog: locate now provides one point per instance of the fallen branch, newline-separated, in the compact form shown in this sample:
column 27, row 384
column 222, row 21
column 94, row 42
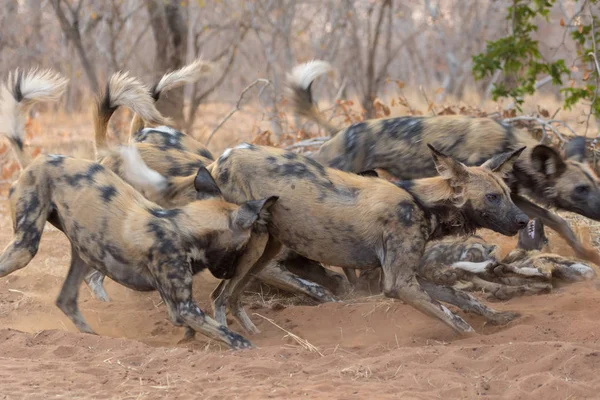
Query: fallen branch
column 237, row 105
column 302, row 342
column 544, row 124
column 309, row 142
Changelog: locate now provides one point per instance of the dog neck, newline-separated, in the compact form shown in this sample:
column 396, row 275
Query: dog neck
column 435, row 197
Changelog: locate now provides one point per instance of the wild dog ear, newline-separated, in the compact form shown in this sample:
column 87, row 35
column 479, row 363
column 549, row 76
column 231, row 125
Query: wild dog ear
column 575, row 149
column 254, row 211
column 547, row 161
column 502, row 164
column 448, row 167
column 205, row 185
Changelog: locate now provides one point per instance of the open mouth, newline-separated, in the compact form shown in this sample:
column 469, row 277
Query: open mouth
column 531, row 228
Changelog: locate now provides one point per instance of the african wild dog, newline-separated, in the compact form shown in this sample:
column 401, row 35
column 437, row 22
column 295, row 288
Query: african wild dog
column 164, row 171
column 343, row 219
column 471, row 263
column 397, row 145
column 114, row 229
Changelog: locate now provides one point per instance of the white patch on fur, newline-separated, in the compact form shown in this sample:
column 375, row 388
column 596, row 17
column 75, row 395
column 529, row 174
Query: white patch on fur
column 137, row 173
column 243, row 146
column 197, row 254
column 473, row 267
column 188, row 74
column 302, row 75
column 586, row 271
column 528, row 271
column 165, row 129
column 225, row 154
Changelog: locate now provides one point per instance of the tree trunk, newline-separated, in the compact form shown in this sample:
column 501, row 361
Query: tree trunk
column 169, row 29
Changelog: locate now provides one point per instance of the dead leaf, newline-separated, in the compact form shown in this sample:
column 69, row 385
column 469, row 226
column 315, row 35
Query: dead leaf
column 562, row 22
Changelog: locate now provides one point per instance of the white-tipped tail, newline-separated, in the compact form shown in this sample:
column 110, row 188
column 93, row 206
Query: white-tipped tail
column 303, row 75
column 188, row 74
column 125, row 90
column 19, row 93
column 138, row 174
column 299, row 82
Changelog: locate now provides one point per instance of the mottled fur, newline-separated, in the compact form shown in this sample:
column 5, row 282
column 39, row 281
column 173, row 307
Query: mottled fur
column 114, row 229
column 346, row 220
column 164, row 171
column 471, row 263
column 398, row 146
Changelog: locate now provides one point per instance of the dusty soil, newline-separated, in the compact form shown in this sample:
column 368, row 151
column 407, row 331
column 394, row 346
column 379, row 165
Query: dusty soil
column 371, row 346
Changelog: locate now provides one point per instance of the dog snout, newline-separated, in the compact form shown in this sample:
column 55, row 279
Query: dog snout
column 521, row 220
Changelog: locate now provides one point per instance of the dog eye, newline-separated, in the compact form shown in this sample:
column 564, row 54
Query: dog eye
column 492, row 197
column 582, row 189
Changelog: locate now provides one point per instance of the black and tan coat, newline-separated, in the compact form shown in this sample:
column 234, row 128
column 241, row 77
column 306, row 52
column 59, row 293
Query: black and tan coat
column 398, row 146
column 346, row 220
column 112, row 228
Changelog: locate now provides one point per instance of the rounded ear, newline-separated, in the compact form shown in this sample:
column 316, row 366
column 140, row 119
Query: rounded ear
column 547, row 161
column 448, row 167
column 503, row 163
column 575, row 149
column 205, row 185
column 254, row 211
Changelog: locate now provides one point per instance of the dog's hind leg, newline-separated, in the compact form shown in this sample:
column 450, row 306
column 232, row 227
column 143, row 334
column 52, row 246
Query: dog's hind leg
column 466, row 302
column 67, row 299
column 95, row 281
column 29, row 219
column 260, row 250
column 278, row 276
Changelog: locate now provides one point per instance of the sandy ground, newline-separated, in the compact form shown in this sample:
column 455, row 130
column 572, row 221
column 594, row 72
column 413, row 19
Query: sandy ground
column 372, row 346
column 365, row 347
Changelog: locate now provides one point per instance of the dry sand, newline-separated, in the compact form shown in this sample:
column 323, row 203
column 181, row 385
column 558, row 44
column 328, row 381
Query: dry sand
column 371, row 347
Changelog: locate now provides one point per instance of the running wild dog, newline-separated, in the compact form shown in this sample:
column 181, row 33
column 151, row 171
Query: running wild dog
column 164, row 166
column 398, row 146
column 343, row 219
column 114, row 229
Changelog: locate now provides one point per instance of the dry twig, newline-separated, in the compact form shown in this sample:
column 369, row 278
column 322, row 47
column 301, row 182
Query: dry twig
column 237, row 105
column 302, row 342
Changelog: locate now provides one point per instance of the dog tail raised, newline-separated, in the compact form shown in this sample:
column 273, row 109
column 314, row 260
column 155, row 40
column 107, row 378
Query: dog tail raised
column 123, row 90
column 299, row 82
column 21, row 91
column 171, row 80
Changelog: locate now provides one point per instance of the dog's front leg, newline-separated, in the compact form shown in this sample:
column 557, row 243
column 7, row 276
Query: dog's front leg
column 500, row 291
column 67, row 299
column 174, row 283
column 261, row 249
column 400, row 281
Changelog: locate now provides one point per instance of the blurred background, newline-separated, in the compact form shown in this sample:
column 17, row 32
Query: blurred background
column 391, row 58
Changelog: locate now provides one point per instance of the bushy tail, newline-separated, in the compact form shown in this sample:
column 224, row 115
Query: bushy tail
column 299, row 82
column 21, row 91
column 174, row 79
column 123, row 90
